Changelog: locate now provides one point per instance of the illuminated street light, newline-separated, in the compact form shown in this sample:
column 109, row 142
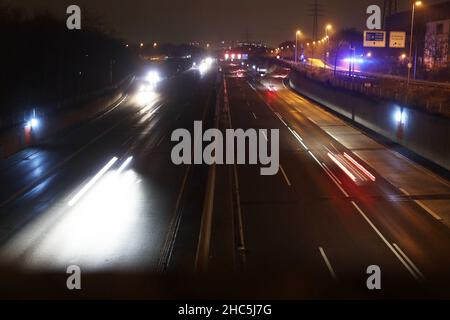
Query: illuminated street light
column 297, row 34
column 155, row 44
column 410, row 60
column 328, row 27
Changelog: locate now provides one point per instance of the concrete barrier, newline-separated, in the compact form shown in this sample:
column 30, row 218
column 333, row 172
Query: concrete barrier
column 18, row 137
column 425, row 134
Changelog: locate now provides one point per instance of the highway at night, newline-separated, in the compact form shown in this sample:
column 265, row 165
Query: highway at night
column 106, row 197
column 233, row 159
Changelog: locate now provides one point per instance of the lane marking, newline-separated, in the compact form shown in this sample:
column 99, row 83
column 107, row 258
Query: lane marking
column 172, row 230
column 331, row 173
column 299, row 139
column 313, row 121
column 409, row 261
column 314, row 157
column 328, row 264
column 335, row 180
column 281, row 119
column 285, row 176
column 422, row 205
column 399, row 257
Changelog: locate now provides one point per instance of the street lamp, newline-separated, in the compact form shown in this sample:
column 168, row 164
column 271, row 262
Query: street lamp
column 415, row 4
column 327, row 28
column 297, row 34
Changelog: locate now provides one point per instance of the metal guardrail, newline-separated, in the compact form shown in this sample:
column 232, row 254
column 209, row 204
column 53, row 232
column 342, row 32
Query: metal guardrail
column 369, row 75
column 423, row 95
column 20, row 117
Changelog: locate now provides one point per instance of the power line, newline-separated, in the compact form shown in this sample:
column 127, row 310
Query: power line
column 315, row 11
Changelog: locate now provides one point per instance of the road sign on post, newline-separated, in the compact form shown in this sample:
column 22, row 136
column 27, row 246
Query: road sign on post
column 397, row 39
column 375, row 39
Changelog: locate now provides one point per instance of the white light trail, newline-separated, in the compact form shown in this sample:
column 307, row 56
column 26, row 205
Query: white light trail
column 92, row 182
column 343, row 168
column 125, row 164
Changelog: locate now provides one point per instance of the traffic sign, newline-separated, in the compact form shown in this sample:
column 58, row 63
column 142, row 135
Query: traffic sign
column 375, row 39
column 397, row 39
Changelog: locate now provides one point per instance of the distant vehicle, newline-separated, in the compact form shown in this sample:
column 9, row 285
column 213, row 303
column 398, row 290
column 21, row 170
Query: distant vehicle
column 261, row 71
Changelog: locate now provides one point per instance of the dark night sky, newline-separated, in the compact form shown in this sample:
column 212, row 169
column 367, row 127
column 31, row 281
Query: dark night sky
column 213, row 20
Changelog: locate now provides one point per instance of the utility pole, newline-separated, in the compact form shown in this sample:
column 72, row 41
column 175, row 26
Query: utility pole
column 315, row 12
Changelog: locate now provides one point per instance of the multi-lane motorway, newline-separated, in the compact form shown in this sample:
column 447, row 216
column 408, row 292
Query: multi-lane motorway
column 327, row 216
column 107, row 197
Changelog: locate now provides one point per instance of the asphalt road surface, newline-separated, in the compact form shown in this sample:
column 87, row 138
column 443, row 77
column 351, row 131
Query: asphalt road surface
column 106, row 197
column 311, row 229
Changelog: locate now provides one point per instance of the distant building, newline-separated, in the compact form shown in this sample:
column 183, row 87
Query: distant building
column 437, row 38
column 428, row 21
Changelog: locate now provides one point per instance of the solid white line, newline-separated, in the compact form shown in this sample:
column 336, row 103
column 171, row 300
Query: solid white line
column 314, row 157
column 297, row 136
column 92, row 182
column 327, row 262
column 334, row 179
column 409, row 261
column 285, row 176
column 399, row 257
column 423, row 206
column 281, row 119
column 331, row 173
column 313, row 121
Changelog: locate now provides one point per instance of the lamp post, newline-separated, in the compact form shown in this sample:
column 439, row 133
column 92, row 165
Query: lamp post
column 415, row 4
column 297, row 34
column 327, row 28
